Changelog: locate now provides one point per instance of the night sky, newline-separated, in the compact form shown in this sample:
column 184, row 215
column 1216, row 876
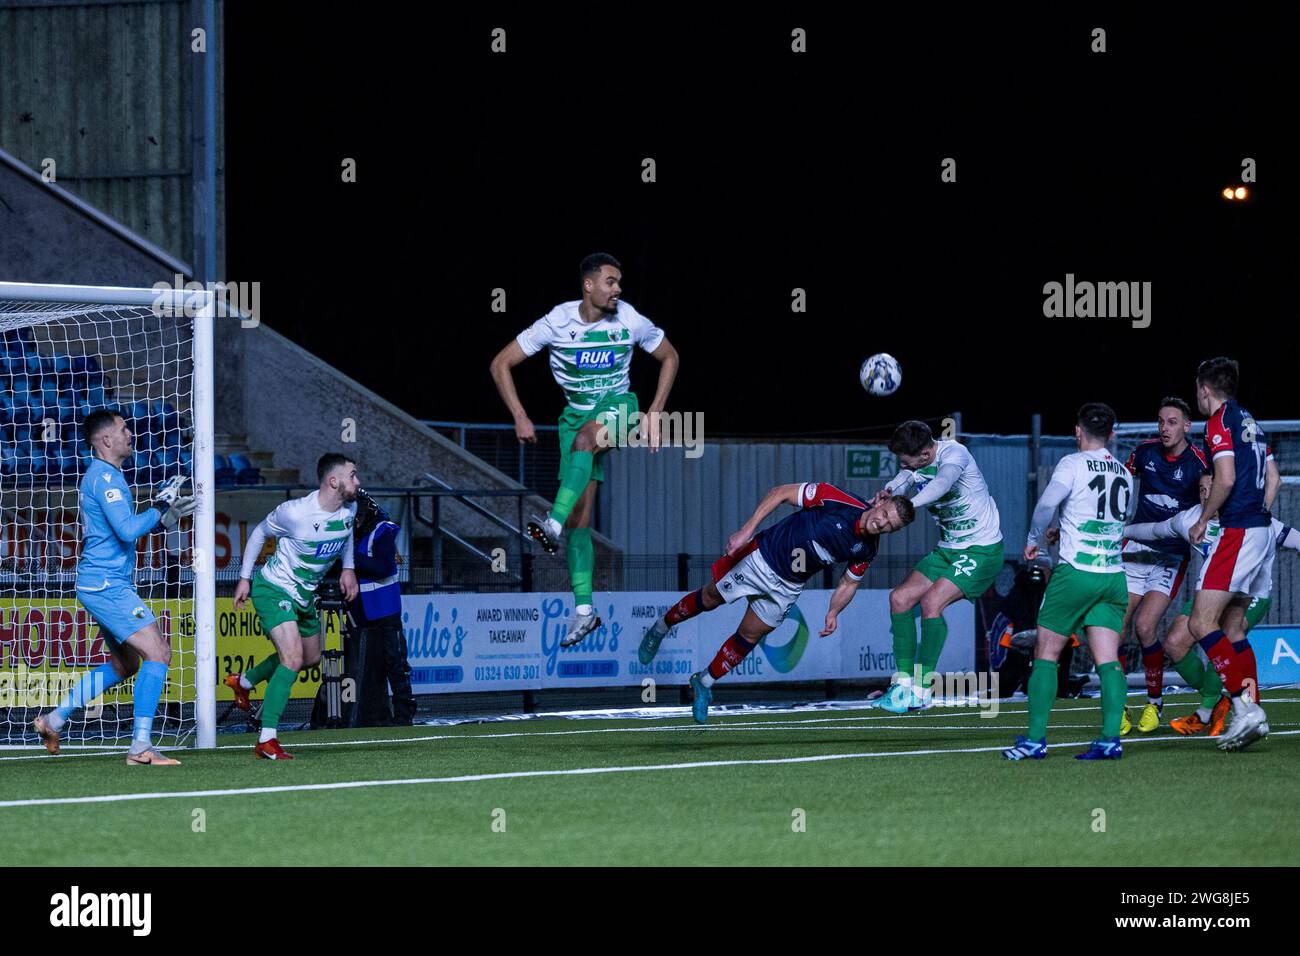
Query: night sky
column 775, row 171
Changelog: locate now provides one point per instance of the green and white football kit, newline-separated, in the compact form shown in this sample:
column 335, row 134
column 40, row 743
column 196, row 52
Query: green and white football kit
column 591, row 362
column 309, row 540
column 969, row 553
column 1088, row 588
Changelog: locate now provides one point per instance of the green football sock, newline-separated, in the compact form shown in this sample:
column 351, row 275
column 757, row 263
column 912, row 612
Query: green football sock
column 582, row 559
column 1193, row 670
column 903, row 627
column 1042, row 694
column 277, row 696
column 573, row 484
column 934, row 632
column 1114, row 694
column 262, row 671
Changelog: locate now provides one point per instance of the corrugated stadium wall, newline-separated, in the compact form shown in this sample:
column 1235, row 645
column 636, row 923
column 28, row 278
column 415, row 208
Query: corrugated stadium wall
column 103, row 89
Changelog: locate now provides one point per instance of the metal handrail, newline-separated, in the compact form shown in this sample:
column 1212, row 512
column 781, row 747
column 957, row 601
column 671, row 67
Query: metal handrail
column 461, row 496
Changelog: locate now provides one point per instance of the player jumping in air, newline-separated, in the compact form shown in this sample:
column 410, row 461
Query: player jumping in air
column 769, row 568
column 311, row 534
column 1210, row 716
column 106, row 587
column 1092, row 490
column 943, row 476
column 591, row 341
column 1167, row 470
column 1238, row 557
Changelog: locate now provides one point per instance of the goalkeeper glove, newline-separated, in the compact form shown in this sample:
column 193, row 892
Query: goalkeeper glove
column 167, row 492
column 178, row 509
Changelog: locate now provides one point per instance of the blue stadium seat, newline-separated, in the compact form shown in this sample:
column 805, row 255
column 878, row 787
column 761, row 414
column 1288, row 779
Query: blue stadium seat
column 222, row 473
column 168, row 458
column 67, row 409
column 245, row 473
column 30, row 410
column 72, row 457
column 165, row 417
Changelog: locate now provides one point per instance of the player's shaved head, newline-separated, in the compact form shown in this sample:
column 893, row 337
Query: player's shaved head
column 892, row 514
column 906, row 510
column 96, row 423
column 328, row 462
column 1220, row 375
column 1097, row 419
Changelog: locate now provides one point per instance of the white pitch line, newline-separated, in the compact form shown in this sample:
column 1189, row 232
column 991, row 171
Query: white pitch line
column 792, row 723
column 523, row 774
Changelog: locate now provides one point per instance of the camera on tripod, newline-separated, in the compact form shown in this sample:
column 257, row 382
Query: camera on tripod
column 329, row 596
column 328, row 711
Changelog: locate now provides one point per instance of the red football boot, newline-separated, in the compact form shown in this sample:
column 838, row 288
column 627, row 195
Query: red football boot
column 271, row 750
column 241, row 693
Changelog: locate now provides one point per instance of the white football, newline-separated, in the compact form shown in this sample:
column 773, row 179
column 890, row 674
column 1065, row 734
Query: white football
column 881, row 374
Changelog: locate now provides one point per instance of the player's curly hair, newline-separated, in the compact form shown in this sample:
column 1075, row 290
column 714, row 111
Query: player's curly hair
column 1222, row 375
column 1097, row 419
column 911, row 438
column 592, row 263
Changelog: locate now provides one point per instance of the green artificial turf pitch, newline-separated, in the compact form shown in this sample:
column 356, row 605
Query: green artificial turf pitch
column 812, row 787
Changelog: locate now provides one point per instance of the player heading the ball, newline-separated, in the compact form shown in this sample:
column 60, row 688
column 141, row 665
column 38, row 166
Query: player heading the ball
column 941, row 475
column 769, row 568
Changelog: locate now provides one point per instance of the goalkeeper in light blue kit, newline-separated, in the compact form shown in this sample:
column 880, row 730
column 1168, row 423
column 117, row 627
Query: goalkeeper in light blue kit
column 106, row 587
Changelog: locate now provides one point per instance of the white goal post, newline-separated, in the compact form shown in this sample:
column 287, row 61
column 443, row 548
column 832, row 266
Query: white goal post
column 66, row 350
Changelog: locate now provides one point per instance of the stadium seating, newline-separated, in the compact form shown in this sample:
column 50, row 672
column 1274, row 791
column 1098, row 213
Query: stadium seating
column 36, row 387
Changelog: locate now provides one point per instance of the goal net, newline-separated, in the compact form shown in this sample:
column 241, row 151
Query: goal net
column 68, row 351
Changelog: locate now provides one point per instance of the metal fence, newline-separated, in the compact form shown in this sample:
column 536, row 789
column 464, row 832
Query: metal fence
column 534, row 466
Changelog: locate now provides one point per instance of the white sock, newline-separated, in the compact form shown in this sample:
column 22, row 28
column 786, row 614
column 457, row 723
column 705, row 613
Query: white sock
column 582, row 610
column 54, row 720
column 1204, row 714
column 553, row 527
column 245, row 683
column 268, row 733
column 1240, row 705
column 1158, row 701
column 660, row 627
column 706, row 678
column 905, row 681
